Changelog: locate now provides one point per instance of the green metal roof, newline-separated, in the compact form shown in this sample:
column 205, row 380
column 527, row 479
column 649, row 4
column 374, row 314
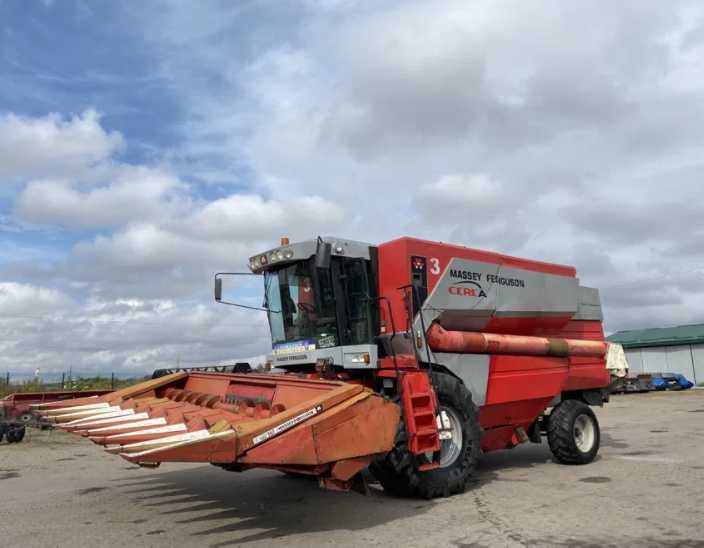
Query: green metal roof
column 659, row 336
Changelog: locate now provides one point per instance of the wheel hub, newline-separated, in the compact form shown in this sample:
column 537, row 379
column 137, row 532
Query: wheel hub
column 451, row 438
column 583, row 431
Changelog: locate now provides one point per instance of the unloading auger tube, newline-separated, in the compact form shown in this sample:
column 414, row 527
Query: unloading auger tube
column 330, row 429
column 471, row 342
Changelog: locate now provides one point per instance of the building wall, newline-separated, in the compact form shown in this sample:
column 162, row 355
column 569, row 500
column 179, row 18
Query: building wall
column 698, row 354
column 635, row 361
column 687, row 360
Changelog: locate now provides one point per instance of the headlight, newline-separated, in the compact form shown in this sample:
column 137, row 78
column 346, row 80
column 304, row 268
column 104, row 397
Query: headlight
column 362, row 357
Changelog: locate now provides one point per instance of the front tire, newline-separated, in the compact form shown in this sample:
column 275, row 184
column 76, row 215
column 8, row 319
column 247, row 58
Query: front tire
column 573, row 433
column 398, row 470
column 15, row 434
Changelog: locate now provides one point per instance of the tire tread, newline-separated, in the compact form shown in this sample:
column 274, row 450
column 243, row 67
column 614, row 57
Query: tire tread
column 560, row 432
column 397, row 471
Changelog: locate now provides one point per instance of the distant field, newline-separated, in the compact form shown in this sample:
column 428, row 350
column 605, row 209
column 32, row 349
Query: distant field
column 80, row 383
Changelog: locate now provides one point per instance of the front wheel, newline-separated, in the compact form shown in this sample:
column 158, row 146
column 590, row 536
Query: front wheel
column 15, row 434
column 458, row 419
column 573, row 433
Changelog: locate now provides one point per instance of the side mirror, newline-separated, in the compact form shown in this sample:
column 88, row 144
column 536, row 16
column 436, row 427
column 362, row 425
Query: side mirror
column 218, row 289
column 323, row 254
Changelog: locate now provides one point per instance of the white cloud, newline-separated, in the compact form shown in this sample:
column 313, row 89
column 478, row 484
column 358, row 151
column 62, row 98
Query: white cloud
column 247, row 217
column 177, row 257
column 448, row 201
column 18, row 299
column 564, row 134
column 133, row 193
column 52, row 146
column 129, row 337
column 453, row 194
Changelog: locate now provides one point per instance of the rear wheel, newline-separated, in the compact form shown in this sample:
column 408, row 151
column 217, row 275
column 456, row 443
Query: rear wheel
column 458, row 419
column 573, row 433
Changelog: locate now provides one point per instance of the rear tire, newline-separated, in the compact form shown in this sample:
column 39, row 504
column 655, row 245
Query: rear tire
column 573, row 433
column 398, row 470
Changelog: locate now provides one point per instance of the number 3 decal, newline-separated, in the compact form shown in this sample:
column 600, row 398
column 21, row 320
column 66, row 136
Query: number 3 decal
column 434, row 266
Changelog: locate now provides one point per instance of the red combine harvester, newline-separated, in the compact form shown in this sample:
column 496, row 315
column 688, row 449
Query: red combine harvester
column 16, row 410
column 409, row 357
column 18, row 406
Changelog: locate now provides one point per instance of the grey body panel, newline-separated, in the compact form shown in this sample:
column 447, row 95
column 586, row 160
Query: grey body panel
column 473, row 369
column 589, row 306
column 342, row 356
column 306, row 249
column 469, row 293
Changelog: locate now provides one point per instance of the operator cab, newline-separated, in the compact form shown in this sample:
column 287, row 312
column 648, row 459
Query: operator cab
column 320, row 299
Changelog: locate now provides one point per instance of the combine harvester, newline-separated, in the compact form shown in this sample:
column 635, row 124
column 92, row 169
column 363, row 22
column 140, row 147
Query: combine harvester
column 409, row 358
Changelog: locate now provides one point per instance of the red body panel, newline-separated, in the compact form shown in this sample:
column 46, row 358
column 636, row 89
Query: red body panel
column 20, row 402
column 394, row 268
column 519, row 387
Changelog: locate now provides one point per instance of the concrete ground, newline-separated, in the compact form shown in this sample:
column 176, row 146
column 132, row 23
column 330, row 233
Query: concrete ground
column 645, row 489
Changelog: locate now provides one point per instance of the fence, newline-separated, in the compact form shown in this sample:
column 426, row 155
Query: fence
column 18, row 382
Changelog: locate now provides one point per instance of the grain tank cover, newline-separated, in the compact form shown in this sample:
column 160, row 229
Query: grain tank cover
column 470, row 289
column 470, row 293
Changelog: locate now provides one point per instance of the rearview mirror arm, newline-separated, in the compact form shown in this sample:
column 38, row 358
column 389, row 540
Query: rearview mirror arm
column 218, row 290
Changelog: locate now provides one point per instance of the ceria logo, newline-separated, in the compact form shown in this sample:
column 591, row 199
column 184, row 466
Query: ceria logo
column 466, row 289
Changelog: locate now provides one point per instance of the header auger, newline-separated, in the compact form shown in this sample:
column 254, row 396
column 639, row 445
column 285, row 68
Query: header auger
column 409, row 358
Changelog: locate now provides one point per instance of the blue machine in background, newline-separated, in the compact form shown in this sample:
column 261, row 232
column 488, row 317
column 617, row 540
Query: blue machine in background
column 670, row 381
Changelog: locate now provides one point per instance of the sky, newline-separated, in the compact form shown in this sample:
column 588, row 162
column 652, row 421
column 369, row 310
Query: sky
column 146, row 145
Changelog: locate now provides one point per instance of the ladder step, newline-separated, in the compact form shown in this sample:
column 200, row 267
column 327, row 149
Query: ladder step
column 422, row 413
